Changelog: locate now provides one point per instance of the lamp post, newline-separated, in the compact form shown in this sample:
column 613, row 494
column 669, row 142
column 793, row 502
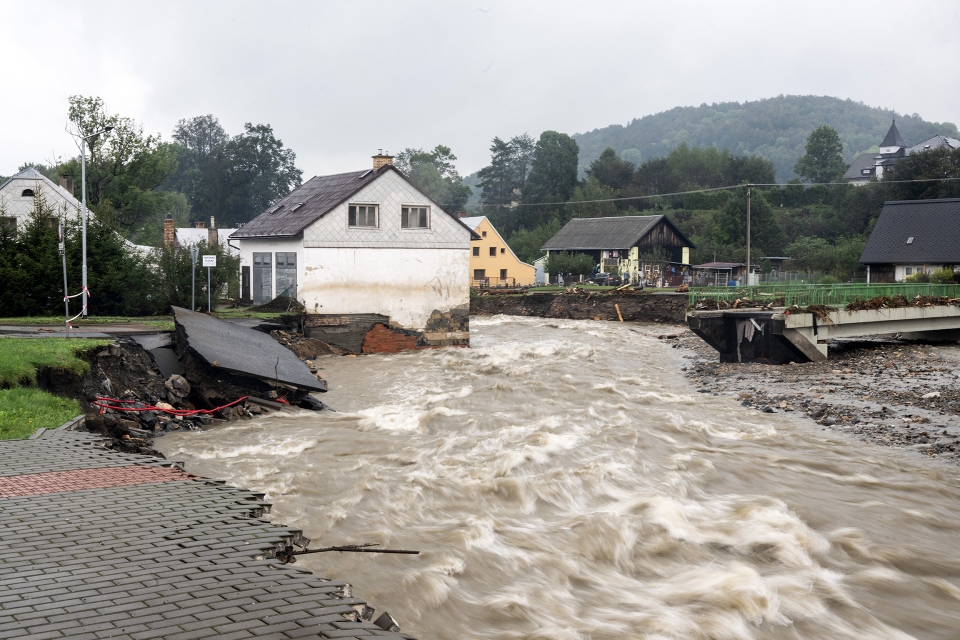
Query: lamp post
column 83, row 192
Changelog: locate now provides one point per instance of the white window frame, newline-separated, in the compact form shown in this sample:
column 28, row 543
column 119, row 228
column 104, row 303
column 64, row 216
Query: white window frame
column 416, row 206
column 376, row 208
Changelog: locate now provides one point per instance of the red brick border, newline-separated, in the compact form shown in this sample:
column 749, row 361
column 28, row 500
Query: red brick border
column 33, row 484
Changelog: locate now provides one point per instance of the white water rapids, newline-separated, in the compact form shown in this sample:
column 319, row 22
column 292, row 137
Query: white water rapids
column 565, row 481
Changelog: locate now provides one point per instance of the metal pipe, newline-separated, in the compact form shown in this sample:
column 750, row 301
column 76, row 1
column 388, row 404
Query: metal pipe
column 83, row 232
column 748, row 235
column 66, row 293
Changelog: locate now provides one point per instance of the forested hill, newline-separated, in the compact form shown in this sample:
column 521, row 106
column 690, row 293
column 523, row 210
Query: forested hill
column 775, row 128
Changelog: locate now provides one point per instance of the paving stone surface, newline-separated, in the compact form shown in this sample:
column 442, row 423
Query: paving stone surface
column 170, row 559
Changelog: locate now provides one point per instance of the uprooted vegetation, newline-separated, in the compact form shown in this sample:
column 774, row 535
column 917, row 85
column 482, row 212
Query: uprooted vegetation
column 859, row 304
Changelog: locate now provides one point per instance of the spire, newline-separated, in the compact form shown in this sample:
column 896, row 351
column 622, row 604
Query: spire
column 893, row 138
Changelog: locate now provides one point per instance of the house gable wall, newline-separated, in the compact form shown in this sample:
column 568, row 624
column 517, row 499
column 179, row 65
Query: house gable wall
column 390, row 192
column 518, row 272
column 17, row 206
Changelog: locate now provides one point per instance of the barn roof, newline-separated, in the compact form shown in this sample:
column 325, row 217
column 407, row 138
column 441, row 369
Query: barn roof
column 620, row 232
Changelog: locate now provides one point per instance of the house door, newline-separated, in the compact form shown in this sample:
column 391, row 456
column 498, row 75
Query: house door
column 244, row 283
column 287, row 274
column 262, row 278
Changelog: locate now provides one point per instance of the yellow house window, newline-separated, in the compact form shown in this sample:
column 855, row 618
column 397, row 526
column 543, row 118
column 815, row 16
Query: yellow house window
column 493, row 252
column 476, row 251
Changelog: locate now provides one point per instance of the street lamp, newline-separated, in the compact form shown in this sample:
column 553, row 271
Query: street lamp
column 83, row 192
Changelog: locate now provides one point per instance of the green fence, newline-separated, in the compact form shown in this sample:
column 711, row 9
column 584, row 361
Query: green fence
column 834, row 295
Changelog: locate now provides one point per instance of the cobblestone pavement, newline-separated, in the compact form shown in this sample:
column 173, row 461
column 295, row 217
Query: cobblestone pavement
column 99, row 544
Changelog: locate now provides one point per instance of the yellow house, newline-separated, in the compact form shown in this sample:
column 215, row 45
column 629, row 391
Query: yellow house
column 492, row 262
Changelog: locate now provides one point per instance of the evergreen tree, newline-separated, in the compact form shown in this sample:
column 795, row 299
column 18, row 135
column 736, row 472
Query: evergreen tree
column 823, row 160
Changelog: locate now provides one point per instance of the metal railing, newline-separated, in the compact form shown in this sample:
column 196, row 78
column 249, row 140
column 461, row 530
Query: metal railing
column 491, row 282
column 834, row 295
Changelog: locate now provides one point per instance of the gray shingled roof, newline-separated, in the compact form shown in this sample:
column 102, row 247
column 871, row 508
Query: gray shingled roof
column 934, row 143
column 893, row 138
column 861, row 162
column 590, row 234
column 315, row 198
column 318, row 195
column 934, row 226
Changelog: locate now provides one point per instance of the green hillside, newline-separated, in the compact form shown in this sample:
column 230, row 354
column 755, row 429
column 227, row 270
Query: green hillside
column 774, row 128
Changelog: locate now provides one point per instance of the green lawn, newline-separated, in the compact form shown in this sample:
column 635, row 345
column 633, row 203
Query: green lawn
column 21, row 357
column 164, row 323
column 23, row 410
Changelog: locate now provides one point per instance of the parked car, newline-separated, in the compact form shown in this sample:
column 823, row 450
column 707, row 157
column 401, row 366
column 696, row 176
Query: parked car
column 605, row 279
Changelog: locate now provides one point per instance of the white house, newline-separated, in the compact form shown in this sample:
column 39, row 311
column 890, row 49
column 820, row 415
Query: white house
column 378, row 265
column 18, row 196
column 892, row 149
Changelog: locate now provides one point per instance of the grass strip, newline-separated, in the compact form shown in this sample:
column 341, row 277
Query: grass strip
column 20, row 358
column 164, row 323
column 24, row 410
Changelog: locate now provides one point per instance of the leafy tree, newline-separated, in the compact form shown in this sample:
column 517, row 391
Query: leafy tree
column 823, row 160
column 553, row 171
column 808, row 253
column 526, row 243
column 124, row 166
column 932, row 164
column 611, row 171
column 731, row 220
column 564, row 263
column 233, row 178
column 587, row 200
column 434, row 173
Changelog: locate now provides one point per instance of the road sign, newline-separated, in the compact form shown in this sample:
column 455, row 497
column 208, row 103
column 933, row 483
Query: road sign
column 210, row 261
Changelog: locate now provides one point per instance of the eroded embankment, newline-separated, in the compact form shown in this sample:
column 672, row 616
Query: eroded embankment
column 635, row 306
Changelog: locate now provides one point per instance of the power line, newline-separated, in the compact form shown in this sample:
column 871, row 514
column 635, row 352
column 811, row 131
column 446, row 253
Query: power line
column 805, row 185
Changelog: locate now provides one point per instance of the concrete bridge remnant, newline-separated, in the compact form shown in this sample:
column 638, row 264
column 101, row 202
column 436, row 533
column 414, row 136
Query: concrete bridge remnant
column 780, row 336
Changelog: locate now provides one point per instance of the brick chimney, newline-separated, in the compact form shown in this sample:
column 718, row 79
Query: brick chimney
column 461, row 214
column 213, row 237
column 67, row 183
column 199, row 225
column 381, row 159
column 169, row 233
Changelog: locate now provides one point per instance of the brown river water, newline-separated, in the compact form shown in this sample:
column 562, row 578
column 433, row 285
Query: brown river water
column 564, row 480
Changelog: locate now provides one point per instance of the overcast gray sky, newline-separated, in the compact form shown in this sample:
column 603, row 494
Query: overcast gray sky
column 338, row 80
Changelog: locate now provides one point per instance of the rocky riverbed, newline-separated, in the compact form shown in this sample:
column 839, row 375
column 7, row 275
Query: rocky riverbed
column 884, row 391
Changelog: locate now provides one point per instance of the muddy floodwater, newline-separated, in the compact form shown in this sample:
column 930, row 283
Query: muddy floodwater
column 563, row 480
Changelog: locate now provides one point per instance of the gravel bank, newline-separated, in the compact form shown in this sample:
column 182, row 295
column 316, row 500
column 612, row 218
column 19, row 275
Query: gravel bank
column 888, row 392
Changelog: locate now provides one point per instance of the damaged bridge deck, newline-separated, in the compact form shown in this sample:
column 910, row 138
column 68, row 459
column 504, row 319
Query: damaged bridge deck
column 777, row 336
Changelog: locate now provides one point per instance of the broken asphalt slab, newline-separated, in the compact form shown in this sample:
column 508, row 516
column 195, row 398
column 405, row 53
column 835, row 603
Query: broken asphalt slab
column 243, row 351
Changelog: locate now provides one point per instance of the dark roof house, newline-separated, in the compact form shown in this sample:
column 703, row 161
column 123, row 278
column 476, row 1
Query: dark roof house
column 915, row 233
column 311, row 201
column 621, row 232
column 868, row 165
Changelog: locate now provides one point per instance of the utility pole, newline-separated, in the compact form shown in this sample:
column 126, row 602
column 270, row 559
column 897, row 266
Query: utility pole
column 66, row 293
column 193, row 278
column 83, row 194
column 749, row 270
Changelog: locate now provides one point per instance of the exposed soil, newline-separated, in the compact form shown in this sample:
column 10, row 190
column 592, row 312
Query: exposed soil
column 634, row 306
column 887, row 392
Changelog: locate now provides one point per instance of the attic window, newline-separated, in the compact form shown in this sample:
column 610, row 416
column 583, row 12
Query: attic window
column 910, row 240
column 365, row 174
column 276, row 208
column 866, row 171
column 296, row 206
column 27, row 193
